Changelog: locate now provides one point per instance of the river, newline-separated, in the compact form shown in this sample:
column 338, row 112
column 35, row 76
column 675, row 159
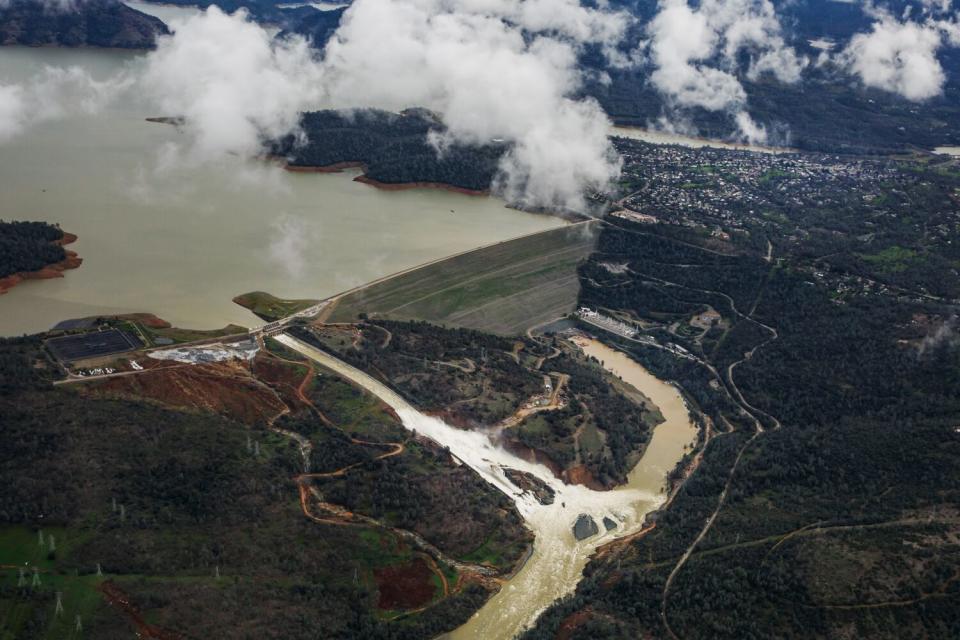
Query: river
column 558, row 559
column 182, row 241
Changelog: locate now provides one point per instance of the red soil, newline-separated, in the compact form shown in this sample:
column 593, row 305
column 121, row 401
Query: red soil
column 72, row 261
column 283, row 377
column 220, row 388
column 580, row 474
column 569, row 625
column 529, row 454
column 117, row 598
column 405, row 587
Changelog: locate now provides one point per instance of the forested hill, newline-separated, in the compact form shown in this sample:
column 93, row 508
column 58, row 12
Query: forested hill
column 393, row 148
column 94, row 23
column 826, row 503
column 827, row 110
column 28, row 246
column 317, row 26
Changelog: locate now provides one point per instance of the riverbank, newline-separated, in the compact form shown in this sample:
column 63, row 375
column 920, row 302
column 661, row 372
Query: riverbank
column 556, row 564
column 54, row 270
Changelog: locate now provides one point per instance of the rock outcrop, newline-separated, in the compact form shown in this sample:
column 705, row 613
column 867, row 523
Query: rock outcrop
column 585, row 527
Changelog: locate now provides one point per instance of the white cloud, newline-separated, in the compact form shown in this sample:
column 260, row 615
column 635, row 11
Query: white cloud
column 54, row 93
column 944, row 334
column 231, row 82
column 696, row 54
column 487, row 80
column 290, row 241
column 52, row 6
column 472, row 62
column 752, row 132
column 900, row 57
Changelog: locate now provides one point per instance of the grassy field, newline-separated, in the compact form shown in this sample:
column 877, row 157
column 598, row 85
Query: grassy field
column 504, row 289
column 35, row 606
column 188, row 335
column 269, row 307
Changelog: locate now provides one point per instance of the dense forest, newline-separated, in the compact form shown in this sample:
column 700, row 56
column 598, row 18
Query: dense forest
column 476, row 379
column 835, row 477
column 316, row 26
column 93, row 23
column 28, row 246
column 393, row 148
column 175, row 516
column 827, row 111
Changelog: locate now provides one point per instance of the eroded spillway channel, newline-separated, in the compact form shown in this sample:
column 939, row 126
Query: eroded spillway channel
column 557, row 561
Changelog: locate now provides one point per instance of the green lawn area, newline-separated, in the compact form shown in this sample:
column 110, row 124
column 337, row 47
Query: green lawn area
column 23, row 608
column 191, row 335
column 269, row 307
column 590, row 439
column 503, row 289
column 354, row 411
column 892, row 259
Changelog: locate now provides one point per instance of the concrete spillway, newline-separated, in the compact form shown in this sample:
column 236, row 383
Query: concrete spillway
column 556, row 564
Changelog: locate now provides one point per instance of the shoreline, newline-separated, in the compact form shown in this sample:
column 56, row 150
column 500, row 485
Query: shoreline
column 340, row 167
column 336, row 167
column 53, row 270
column 403, row 186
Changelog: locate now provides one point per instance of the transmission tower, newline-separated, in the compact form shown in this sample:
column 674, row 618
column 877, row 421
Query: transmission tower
column 59, row 608
column 22, row 579
column 36, row 578
column 79, row 625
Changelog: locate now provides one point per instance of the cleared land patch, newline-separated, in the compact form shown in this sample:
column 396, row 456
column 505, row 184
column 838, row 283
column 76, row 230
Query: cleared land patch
column 505, row 288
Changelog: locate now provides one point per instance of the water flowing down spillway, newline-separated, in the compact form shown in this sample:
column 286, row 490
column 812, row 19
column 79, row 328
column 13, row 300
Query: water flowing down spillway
column 557, row 561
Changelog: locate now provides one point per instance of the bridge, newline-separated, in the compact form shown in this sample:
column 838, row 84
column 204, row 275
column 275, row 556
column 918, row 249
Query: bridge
column 277, row 326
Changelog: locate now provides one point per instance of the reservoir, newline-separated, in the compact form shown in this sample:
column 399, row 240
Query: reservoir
column 182, row 240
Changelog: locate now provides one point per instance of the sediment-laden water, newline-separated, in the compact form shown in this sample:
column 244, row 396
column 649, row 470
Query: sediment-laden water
column 556, row 564
column 181, row 240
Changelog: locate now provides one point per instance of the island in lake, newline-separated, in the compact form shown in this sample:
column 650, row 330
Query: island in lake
column 33, row 251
